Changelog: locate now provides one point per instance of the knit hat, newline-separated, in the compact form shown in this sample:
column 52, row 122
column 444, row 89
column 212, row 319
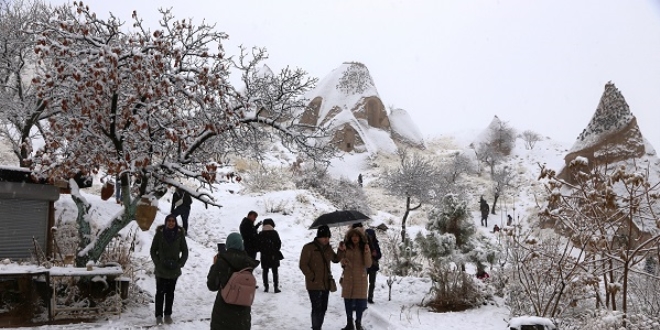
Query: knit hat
column 234, row 241
column 323, row 231
column 270, row 222
column 357, row 225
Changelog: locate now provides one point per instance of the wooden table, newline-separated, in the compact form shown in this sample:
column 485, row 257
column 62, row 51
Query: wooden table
column 79, row 299
column 19, row 287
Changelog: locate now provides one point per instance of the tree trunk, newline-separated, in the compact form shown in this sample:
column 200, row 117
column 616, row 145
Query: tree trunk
column 94, row 249
column 492, row 209
column 405, row 217
column 84, row 229
column 403, row 221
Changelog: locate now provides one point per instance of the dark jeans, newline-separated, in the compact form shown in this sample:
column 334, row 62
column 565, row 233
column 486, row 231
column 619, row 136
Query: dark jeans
column 184, row 212
column 264, row 277
column 355, row 305
column 164, row 291
column 372, row 283
column 319, row 299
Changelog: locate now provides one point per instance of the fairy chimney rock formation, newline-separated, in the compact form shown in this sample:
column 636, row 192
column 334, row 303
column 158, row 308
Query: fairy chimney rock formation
column 611, row 136
column 347, row 103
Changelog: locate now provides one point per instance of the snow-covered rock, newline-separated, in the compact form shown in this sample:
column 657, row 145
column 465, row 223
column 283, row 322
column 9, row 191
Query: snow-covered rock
column 346, row 102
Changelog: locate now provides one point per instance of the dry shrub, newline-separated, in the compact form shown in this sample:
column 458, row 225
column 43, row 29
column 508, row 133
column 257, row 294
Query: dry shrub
column 302, row 199
column 242, row 165
column 282, row 206
column 454, row 291
column 264, row 179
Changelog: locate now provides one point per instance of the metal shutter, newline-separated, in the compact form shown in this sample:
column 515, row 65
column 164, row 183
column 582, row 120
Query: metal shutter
column 22, row 219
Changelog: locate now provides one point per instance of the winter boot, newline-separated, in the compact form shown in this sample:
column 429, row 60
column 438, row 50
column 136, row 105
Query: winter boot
column 276, row 280
column 349, row 325
column 358, row 325
column 159, row 320
column 168, row 319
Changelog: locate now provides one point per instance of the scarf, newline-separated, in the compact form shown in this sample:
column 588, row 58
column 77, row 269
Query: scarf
column 170, row 234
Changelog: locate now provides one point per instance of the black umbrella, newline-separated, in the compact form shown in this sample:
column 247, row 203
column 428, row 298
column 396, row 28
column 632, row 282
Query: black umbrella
column 339, row 218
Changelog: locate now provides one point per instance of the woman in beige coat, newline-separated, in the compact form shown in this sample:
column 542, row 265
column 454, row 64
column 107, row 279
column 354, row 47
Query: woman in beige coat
column 355, row 258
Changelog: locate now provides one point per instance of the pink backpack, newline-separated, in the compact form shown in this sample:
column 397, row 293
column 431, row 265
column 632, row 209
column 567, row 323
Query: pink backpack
column 240, row 289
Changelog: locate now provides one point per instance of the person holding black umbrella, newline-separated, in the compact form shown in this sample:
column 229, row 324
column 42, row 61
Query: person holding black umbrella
column 355, row 257
column 315, row 259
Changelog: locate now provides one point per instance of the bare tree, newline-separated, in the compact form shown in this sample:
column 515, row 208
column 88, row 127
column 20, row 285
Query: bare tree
column 613, row 213
column 416, row 180
column 503, row 177
column 547, row 274
column 21, row 111
column 458, row 164
column 530, row 138
column 489, row 155
column 502, row 138
column 151, row 104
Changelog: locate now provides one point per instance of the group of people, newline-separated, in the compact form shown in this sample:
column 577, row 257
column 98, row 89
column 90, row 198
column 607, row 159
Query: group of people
column 358, row 255
column 267, row 242
column 485, row 210
column 169, row 253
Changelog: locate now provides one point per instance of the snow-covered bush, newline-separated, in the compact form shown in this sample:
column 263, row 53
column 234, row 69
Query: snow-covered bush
column 282, row 206
column 454, row 289
column 447, row 247
column 342, row 193
column 603, row 319
column 451, row 217
column 266, row 178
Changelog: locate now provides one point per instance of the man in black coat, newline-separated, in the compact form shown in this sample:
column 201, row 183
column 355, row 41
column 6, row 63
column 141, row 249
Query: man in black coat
column 250, row 234
column 181, row 202
column 483, row 206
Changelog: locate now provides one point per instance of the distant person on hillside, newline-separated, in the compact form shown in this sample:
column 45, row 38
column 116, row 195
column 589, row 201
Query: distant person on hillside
column 482, row 275
column 484, row 208
column 250, row 235
column 181, row 202
column 509, row 220
column 360, row 179
column 269, row 248
column 496, row 229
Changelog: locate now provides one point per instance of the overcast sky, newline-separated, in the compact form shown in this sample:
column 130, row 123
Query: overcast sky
column 453, row 65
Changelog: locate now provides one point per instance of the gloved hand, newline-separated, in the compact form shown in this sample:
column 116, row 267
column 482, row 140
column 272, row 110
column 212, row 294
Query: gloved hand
column 257, row 225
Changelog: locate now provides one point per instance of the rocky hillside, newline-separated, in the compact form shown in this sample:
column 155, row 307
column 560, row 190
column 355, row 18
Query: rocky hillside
column 347, row 103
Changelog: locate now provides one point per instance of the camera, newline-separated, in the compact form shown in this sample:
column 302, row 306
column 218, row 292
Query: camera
column 221, row 247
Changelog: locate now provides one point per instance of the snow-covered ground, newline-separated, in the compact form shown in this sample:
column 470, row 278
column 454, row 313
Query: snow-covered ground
column 293, row 211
